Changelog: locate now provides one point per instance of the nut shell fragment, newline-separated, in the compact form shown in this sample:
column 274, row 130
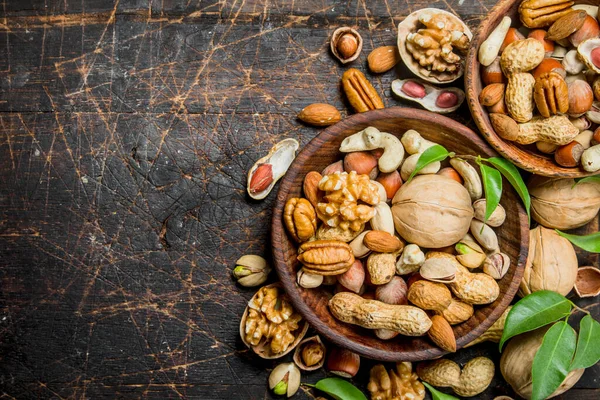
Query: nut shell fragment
column 587, row 283
column 346, row 44
column 280, row 158
column 310, row 354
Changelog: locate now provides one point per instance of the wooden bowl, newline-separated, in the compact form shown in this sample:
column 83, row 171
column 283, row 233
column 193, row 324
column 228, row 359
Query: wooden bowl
column 526, row 157
column 312, row 303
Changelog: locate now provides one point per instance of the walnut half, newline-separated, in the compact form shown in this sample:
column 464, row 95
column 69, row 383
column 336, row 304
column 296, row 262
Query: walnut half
column 399, row 384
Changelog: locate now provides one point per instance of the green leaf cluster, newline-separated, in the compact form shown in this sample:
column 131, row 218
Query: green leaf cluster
column 562, row 351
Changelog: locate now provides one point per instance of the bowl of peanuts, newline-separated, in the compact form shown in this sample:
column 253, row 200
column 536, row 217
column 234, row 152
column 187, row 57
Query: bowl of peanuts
column 387, row 263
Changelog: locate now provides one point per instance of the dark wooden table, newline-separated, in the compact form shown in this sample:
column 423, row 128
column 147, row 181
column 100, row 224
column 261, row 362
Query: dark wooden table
column 127, row 128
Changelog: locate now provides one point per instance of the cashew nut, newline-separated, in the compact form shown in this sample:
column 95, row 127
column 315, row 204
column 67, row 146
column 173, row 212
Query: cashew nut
column 383, row 219
column 471, row 178
column 585, row 139
column 380, row 189
column 408, row 166
column 590, row 159
column 414, row 143
column 370, row 139
column 489, row 49
column 358, row 248
column 411, row 260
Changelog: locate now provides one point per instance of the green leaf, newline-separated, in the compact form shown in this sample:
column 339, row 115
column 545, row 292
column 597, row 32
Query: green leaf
column 595, row 178
column 431, row 155
column 340, row 389
column 588, row 344
column 589, row 242
column 511, row 173
column 492, row 183
column 437, row 395
column 552, row 360
column 534, row 311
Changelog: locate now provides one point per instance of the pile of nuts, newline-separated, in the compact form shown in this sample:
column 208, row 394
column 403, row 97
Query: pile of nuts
column 398, row 256
column 541, row 80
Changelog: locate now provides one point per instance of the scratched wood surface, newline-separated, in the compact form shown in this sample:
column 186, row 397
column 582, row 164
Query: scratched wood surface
column 126, row 130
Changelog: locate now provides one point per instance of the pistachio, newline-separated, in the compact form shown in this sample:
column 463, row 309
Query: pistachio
column 484, row 235
column 470, row 254
column 251, row 270
column 496, row 265
column 285, row 379
column 496, row 219
column 308, row 280
column 440, row 270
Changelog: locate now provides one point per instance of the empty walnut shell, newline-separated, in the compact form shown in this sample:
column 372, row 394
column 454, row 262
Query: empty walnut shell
column 263, row 349
column 587, row 283
column 411, row 24
column 346, row 44
column 310, row 350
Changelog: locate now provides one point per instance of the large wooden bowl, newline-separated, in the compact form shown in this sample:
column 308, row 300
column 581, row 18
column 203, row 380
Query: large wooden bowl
column 312, row 303
column 526, row 157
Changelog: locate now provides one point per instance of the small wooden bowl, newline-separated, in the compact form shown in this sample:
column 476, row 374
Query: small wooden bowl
column 312, row 303
column 526, row 157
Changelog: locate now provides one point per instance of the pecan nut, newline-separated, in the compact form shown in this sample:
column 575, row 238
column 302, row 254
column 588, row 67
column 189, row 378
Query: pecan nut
column 326, row 257
column 361, row 95
column 541, row 13
column 300, row 219
column 551, row 94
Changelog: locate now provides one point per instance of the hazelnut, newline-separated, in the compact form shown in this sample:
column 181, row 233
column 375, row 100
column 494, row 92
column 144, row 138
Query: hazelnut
column 451, row 173
column 590, row 29
column 581, row 98
column 492, row 73
column 391, row 181
column 362, row 162
column 540, row 35
column 549, row 65
column 596, row 137
column 511, row 36
column 343, row 362
column 393, row 292
column 354, row 278
column 337, row 166
column 346, row 44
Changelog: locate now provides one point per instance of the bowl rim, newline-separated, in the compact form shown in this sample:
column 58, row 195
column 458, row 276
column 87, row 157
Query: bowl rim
column 545, row 167
column 288, row 280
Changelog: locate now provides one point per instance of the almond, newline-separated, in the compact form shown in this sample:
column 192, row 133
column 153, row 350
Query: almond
column 566, row 25
column 441, row 333
column 383, row 59
column 492, row 94
column 319, row 114
column 382, row 242
column 311, row 187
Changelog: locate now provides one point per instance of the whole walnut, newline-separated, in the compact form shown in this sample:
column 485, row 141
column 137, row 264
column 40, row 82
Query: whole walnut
column 556, row 203
column 551, row 263
column 517, row 360
column 432, row 211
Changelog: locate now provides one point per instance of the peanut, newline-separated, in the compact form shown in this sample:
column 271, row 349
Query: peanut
column 474, row 378
column 373, row 314
column 381, row 267
column 472, row 288
column 494, row 332
column 519, row 96
column 429, row 295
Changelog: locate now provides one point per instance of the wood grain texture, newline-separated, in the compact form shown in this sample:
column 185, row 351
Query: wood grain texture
column 525, row 157
column 312, row 303
column 126, row 131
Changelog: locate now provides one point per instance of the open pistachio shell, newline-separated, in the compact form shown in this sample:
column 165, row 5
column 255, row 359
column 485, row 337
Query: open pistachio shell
column 298, row 356
column 442, row 270
column 587, row 283
column 432, row 93
column 411, row 24
column 585, row 50
column 263, row 349
column 280, row 157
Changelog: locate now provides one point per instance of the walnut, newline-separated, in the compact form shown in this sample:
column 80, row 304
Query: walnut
column 271, row 319
column 434, row 47
column 343, row 192
column 399, row 384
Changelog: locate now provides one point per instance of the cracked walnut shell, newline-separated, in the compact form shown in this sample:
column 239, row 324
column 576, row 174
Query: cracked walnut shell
column 300, row 219
column 343, row 191
column 551, row 94
column 399, row 384
column 270, row 326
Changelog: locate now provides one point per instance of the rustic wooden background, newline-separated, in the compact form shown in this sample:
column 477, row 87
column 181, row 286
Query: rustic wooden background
column 127, row 128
